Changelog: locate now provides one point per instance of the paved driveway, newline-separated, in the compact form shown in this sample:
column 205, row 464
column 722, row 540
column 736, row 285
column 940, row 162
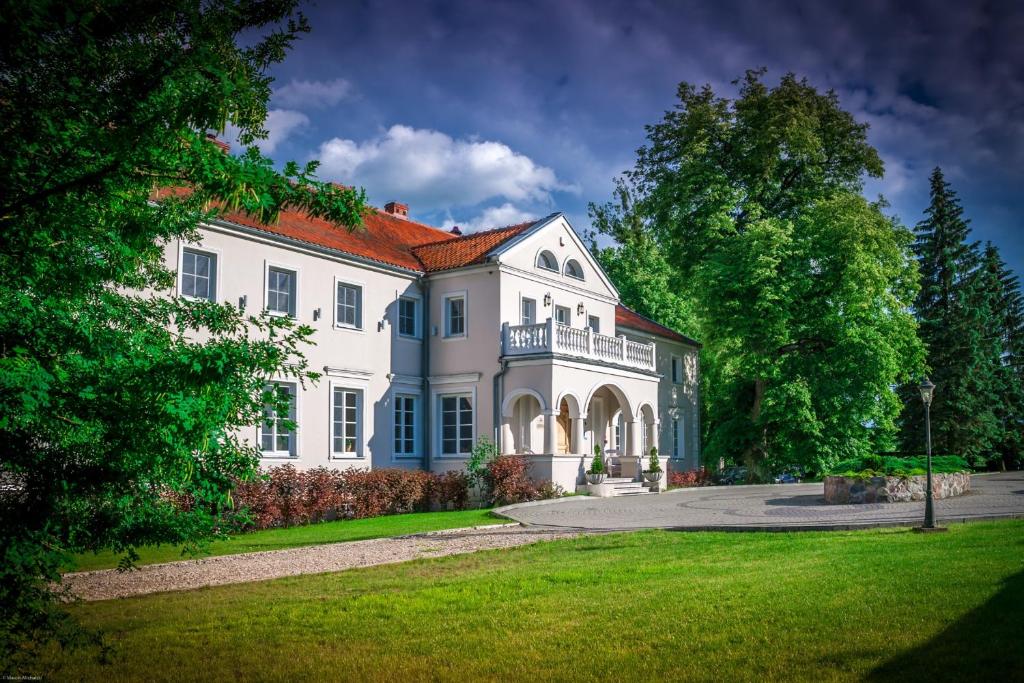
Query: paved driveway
column 780, row 506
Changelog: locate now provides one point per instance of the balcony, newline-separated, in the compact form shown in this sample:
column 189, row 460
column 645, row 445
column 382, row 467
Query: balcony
column 585, row 344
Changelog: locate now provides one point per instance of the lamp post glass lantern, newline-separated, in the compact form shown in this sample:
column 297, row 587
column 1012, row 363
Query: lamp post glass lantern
column 927, row 389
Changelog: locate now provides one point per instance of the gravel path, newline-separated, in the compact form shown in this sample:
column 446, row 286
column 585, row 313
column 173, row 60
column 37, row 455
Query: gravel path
column 333, row 557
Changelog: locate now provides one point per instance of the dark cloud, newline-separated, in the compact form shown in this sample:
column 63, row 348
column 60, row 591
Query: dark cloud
column 570, row 84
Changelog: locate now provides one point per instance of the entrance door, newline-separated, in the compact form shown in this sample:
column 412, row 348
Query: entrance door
column 563, row 428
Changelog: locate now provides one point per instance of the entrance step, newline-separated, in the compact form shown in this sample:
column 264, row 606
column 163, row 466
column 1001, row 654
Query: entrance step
column 622, row 486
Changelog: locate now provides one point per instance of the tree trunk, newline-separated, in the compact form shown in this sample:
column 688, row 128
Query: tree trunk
column 748, row 457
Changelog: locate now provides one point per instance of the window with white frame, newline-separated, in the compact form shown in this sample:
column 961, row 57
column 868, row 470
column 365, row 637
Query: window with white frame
column 408, row 316
column 675, row 438
column 456, row 424
column 277, row 433
column 563, row 316
column 405, row 424
column 529, row 313
column 198, row 274
column 573, row 269
column 455, row 316
column 594, row 323
column 547, row 261
column 345, row 418
column 677, row 370
column 281, row 290
column 349, row 306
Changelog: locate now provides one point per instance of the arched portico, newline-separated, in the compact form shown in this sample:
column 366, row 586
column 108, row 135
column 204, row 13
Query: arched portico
column 520, row 414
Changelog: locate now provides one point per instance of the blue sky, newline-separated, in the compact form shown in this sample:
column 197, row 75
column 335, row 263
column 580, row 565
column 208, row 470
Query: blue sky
column 480, row 113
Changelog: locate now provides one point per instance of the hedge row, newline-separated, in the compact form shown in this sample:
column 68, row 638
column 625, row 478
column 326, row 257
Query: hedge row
column 286, row 496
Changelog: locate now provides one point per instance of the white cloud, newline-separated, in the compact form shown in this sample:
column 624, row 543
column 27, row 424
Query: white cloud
column 281, row 123
column 432, row 171
column 492, row 217
column 312, row 94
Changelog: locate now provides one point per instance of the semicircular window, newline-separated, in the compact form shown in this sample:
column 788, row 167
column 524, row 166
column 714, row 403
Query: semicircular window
column 546, row 260
column 573, row 269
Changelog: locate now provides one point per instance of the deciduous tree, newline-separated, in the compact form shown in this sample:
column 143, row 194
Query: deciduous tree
column 113, row 397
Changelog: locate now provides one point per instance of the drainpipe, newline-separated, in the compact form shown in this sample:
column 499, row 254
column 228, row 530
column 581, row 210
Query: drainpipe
column 425, row 330
column 499, row 391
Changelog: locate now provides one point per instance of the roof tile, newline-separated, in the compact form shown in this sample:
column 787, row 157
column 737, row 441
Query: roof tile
column 627, row 317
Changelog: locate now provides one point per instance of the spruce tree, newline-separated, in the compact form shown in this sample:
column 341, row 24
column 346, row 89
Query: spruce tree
column 955, row 308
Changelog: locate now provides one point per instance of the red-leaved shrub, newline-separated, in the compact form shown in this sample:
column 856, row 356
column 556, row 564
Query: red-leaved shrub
column 507, row 481
column 285, row 496
column 689, row 478
column 451, row 490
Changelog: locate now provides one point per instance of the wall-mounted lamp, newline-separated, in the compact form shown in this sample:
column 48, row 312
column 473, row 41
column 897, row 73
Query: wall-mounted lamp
column 547, row 299
column 580, row 309
column 316, row 314
column 242, row 301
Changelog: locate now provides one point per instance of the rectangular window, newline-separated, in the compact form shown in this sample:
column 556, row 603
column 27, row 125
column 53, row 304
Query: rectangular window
column 675, row 438
column 529, row 313
column 455, row 316
column 345, row 419
column 350, row 306
column 456, row 425
column 405, row 425
column 277, row 433
column 677, row 370
column 281, row 291
column 563, row 316
column 198, row 274
column 594, row 323
column 408, row 325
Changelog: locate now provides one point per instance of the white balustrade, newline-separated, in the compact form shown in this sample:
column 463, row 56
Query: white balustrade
column 550, row 337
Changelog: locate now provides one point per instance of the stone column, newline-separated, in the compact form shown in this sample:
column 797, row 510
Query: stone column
column 550, row 432
column 508, row 442
column 629, row 457
column 577, row 437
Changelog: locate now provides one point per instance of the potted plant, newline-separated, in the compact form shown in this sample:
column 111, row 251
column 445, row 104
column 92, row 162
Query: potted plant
column 653, row 472
column 596, row 474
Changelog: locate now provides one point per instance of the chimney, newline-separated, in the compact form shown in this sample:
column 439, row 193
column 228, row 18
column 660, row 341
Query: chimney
column 456, row 231
column 397, row 210
column 224, row 147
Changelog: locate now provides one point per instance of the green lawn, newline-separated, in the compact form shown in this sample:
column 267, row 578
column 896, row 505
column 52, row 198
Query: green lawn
column 656, row 605
column 314, row 534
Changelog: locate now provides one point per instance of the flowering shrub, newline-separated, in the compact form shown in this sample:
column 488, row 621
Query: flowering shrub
column 687, row 478
column 549, row 489
column 507, row 482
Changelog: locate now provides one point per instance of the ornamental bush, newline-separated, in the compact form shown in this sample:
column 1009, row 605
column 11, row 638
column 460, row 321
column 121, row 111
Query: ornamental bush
column 689, row 478
column 284, row 496
column 507, row 481
column 885, row 465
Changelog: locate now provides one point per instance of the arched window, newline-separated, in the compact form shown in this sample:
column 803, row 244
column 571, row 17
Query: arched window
column 546, row 260
column 573, row 269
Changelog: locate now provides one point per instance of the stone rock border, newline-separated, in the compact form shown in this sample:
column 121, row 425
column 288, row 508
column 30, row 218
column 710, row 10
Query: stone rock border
column 890, row 489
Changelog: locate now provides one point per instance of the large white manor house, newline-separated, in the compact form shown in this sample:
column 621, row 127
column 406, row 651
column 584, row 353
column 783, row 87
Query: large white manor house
column 428, row 340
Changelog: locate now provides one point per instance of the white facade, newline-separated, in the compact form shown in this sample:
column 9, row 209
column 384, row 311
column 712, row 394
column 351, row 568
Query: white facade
column 420, row 362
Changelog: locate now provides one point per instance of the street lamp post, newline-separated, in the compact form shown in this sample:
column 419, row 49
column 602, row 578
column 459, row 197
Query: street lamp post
column 927, row 389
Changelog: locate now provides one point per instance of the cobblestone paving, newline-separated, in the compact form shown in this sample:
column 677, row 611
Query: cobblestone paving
column 786, row 506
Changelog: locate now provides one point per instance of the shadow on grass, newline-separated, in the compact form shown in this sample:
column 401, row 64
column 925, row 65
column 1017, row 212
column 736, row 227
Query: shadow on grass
column 982, row 645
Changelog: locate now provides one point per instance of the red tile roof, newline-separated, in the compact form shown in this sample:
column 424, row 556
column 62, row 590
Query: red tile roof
column 382, row 237
column 467, row 249
column 627, row 317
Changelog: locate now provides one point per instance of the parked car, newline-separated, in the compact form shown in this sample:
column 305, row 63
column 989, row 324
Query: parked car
column 732, row 475
column 789, row 477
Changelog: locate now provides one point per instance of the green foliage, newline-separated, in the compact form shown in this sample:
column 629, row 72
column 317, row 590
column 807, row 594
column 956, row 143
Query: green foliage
column 876, row 465
column 484, row 451
column 597, row 464
column 653, row 465
column 969, row 311
column 745, row 217
column 113, row 400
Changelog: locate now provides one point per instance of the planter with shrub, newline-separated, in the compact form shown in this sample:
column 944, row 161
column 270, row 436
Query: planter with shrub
column 879, row 479
column 596, row 474
column 653, row 473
